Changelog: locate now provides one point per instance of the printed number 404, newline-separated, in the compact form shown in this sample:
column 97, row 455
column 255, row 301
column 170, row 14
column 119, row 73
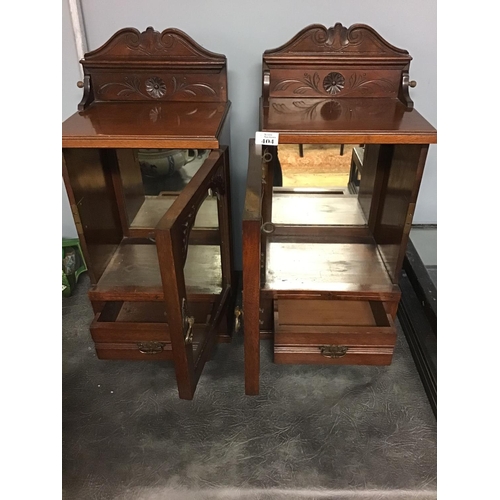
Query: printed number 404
column 267, row 138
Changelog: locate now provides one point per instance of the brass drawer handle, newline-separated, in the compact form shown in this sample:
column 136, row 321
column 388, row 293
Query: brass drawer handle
column 188, row 323
column 333, row 351
column 238, row 314
column 150, row 347
column 188, row 338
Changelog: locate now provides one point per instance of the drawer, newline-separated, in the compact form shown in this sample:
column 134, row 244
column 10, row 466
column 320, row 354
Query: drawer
column 356, row 332
column 137, row 330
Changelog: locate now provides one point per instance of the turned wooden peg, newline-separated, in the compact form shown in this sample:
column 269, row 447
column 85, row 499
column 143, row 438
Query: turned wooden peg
column 79, row 84
column 413, row 84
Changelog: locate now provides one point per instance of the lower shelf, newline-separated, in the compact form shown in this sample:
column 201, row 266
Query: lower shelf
column 356, row 332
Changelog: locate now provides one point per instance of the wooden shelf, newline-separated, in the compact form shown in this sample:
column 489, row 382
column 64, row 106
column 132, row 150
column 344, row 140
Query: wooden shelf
column 359, row 121
column 129, row 124
column 155, row 207
column 317, row 209
column 325, row 267
column 133, row 273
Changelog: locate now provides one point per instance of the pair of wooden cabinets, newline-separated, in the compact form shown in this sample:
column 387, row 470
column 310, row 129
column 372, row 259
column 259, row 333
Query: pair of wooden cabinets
column 146, row 167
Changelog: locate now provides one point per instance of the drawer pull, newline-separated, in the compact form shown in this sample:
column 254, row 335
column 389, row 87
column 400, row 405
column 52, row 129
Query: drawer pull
column 333, row 351
column 188, row 338
column 188, row 323
column 150, row 347
column 238, row 314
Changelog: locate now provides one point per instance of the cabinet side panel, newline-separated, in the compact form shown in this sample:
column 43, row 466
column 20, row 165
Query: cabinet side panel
column 397, row 204
column 93, row 204
column 368, row 175
column 376, row 166
column 130, row 183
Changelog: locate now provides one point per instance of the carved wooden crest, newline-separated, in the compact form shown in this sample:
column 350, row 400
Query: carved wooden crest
column 358, row 41
column 153, row 66
column 338, row 61
column 131, row 46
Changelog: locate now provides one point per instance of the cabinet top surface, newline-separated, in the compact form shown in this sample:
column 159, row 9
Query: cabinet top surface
column 148, row 125
column 355, row 120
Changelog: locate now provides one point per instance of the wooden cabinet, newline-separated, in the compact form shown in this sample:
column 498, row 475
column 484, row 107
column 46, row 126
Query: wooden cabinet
column 321, row 261
column 146, row 168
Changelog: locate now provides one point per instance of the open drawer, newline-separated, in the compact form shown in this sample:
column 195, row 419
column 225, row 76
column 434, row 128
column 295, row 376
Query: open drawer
column 139, row 330
column 347, row 332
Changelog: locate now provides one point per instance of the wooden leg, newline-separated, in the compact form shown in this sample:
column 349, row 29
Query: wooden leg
column 341, row 150
column 251, row 298
column 301, row 150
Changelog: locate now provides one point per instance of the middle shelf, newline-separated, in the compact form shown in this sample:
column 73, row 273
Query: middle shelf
column 346, row 267
column 133, row 273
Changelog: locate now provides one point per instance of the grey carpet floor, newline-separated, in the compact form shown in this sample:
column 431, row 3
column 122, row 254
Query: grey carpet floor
column 313, row 432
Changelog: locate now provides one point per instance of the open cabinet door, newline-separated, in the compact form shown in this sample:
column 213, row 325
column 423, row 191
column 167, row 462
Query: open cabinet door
column 196, row 265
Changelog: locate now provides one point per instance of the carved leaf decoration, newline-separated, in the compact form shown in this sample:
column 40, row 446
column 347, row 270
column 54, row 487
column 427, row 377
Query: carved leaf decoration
column 329, row 109
column 316, row 81
column 363, row 86
column 308, row 110
column 284, row 84
column 191, row 88
column 133, row 86
column 203, row 88
column 300, row 107
column 280, row 108
column 309, row 83
column 301, row 90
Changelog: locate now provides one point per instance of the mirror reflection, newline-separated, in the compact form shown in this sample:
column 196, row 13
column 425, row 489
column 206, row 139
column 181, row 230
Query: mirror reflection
column 168, row 170
column 318, row 184
column 153, row 178
column 327, row 166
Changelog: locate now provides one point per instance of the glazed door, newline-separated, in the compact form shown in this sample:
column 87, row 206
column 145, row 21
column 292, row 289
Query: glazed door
column 194, row 251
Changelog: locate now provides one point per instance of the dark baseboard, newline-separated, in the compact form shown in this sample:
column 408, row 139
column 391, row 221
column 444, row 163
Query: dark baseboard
column 417, row 315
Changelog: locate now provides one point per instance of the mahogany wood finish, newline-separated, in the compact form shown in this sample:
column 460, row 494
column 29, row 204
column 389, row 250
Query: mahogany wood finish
column 152, row 66
column 321, row 267
column 161, row 266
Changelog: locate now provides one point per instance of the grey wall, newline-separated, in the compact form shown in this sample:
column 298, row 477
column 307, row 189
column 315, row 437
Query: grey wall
column 71, row 96
column 243, row 30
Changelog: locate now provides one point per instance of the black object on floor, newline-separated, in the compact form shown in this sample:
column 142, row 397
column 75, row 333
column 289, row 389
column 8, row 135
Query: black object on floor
column 313, row 432
column 417, row 314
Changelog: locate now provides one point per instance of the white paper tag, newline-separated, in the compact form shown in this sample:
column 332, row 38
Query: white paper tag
column 267, row 138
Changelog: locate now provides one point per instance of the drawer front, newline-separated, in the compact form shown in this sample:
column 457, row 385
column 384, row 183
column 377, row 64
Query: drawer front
column 137, row 331
column 128, row 332
column 149, row 351
column 356, row 332
column 333, row 355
